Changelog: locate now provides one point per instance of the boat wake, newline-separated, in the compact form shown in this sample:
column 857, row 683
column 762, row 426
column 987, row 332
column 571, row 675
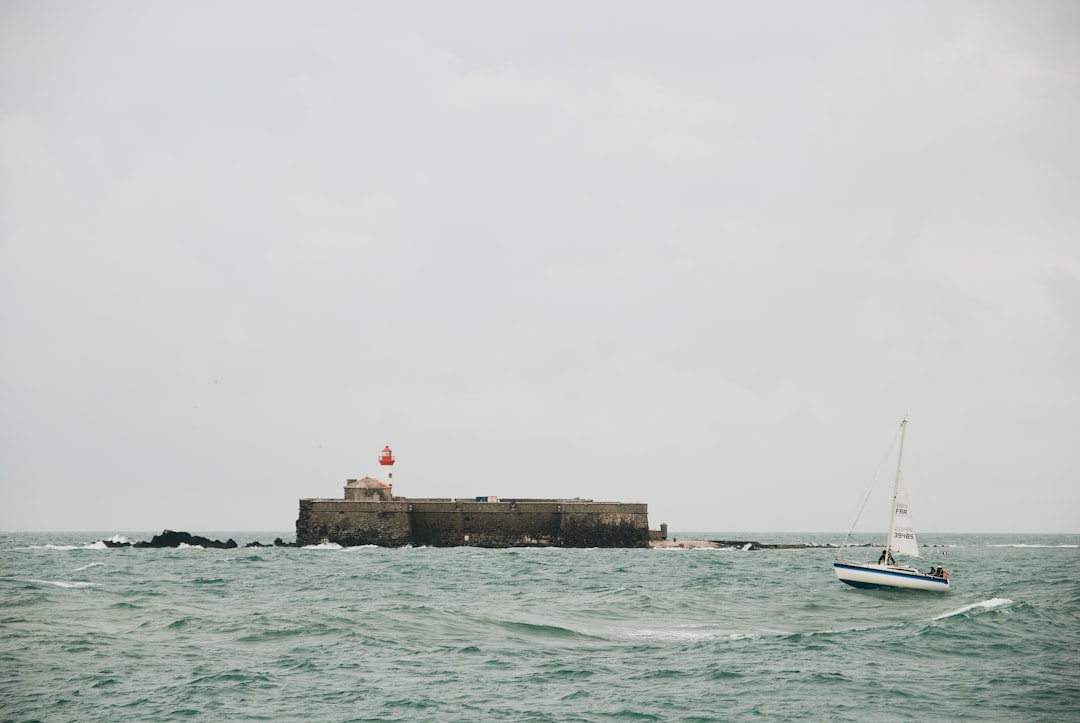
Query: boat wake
column 985, row 604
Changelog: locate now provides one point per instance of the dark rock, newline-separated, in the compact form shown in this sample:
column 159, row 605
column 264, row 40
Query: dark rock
column 168, row 538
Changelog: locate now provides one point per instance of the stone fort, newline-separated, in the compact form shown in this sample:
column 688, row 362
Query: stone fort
column 370, row 514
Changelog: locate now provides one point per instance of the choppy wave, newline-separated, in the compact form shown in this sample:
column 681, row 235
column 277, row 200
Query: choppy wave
column 540, row 629
column 467, row 634
column 984, row 605
column 87, row 567
column 96, row 545
column 99, row 545
column 336, row 547
column 64, row 583
column 1022, row 545
column 690, row 635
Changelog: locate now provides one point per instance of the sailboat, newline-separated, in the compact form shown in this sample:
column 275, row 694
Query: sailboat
column 886, row 572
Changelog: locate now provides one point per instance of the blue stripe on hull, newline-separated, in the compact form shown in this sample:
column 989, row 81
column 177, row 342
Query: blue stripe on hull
column 862, row 585
column 887, row 574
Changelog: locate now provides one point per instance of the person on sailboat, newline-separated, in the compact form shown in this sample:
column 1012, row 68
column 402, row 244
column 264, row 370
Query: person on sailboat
column 886, row 558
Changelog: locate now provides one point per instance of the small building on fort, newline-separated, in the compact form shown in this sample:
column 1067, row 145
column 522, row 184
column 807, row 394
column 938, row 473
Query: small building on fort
column 370, row 514
column 368, row 489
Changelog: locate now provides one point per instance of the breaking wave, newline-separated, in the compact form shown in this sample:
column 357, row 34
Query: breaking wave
column 985, row 604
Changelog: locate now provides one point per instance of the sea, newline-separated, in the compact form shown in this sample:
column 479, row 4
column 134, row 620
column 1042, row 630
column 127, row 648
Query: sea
column 324, row 633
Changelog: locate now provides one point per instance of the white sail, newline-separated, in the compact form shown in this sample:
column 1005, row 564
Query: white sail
column 903, row 526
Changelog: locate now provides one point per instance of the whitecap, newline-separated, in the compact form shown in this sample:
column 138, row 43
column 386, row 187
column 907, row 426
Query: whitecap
column 1020, row 544
column 99, row 545
column 691, row 635
column 323, row 546
column 92, row 564
column 985, row 604
column 696, row 548
column 62, row 583
column 185, row 546
column 669, row 634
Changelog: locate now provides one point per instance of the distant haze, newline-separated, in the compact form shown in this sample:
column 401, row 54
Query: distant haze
column 700, row 255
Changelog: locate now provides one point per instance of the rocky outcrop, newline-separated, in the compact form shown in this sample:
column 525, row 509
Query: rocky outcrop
column 169, row 538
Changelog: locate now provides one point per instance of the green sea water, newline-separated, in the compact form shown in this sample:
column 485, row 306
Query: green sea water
column 465, row 634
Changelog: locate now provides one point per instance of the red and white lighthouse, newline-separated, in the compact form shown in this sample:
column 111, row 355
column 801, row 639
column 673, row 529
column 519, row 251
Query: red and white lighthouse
column 386, row 460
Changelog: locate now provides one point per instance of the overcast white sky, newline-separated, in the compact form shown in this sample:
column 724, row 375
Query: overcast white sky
column 704, row 255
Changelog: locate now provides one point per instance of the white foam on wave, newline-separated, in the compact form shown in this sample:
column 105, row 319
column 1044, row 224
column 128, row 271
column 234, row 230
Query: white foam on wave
column 985, row 604
column 62, row 583
column 97, row 545
column 1020, row 544
column 691, row 635
column 355, row 548
column 185, row 546
column 92, row 564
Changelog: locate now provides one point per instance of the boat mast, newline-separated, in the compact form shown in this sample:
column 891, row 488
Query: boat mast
column 896, row 487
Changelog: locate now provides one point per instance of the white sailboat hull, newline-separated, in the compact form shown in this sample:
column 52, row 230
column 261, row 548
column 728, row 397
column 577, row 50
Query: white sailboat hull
column 884, row 576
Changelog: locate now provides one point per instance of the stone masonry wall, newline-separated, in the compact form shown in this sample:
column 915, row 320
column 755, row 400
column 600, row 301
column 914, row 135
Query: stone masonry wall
column 350, row 523
column 446, row 523
column 605, row 525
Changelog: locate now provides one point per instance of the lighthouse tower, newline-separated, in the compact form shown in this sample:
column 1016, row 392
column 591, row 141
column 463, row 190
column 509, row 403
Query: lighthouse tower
column 386, row 460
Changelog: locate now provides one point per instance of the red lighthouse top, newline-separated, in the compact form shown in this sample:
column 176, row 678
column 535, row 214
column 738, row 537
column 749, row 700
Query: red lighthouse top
column 387, row 457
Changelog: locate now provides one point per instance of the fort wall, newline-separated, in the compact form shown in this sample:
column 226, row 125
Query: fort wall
column 454, row 522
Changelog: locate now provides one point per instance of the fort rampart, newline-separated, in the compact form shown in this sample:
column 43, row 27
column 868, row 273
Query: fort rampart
column 453, row 522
